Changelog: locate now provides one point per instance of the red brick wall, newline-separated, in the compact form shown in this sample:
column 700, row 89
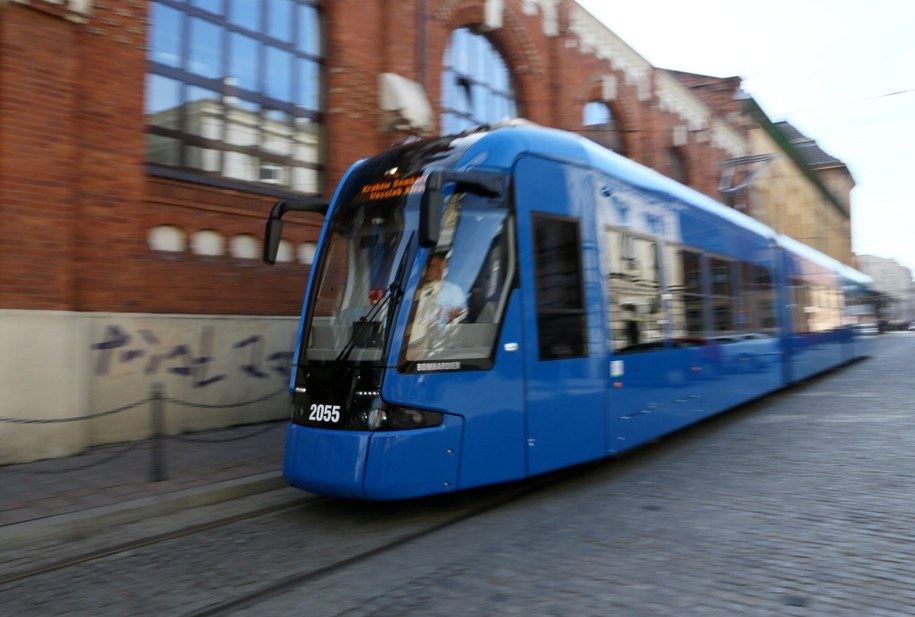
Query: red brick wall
column 111, row 186
column 354, row 51
column 77, row 203
column 38, row 158
column 189, row 283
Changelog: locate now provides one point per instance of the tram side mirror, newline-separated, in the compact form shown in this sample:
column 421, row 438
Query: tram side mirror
column 272, row 235
column 430, row 210
column 273, row 231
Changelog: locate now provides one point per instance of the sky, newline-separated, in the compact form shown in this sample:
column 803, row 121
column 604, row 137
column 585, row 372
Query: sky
column 841, row 71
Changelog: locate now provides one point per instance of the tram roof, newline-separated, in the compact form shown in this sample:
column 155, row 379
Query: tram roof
column 536, row 139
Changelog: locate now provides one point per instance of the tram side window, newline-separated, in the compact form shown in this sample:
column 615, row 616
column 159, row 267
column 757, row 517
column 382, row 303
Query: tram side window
column 466, row 283
column 757, row 301
column 636, row 311
column 723, row 301
column 685, row 286
column 800, row 305
column 825, row 304
column 825, row 312
column 748, row 306
column 561, row 316
column 837, row 308
column 487, row 294
column 765, row 293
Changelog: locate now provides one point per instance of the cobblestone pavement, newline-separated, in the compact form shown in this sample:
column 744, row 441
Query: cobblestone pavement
column 802, row 503
column 113, row 475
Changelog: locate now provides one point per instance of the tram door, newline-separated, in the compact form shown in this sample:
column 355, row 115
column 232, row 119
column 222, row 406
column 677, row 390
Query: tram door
column 563, row 379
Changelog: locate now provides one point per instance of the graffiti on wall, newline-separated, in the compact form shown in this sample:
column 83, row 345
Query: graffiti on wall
column 249, row 356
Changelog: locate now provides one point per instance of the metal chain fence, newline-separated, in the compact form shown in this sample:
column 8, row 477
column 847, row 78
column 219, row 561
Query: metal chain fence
column 157, row 438
column 125, row 448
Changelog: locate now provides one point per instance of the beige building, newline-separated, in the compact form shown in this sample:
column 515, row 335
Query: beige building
column 796, row 188
column 785, row 180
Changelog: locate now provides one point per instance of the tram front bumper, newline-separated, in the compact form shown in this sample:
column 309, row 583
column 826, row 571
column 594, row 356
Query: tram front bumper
column 374, row 465
column 326, row 462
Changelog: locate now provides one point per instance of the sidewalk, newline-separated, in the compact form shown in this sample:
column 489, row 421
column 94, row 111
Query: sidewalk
column 114, row 484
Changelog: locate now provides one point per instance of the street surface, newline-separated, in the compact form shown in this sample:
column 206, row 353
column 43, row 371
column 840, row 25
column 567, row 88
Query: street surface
column 802, row 503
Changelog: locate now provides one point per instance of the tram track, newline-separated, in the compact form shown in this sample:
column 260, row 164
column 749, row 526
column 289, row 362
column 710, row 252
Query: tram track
column 357, row 531
column 489, row 500
column 386, row 526
column 312, row 540
column 123, row 547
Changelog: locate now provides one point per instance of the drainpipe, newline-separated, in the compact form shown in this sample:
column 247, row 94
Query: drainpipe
column 421, row 22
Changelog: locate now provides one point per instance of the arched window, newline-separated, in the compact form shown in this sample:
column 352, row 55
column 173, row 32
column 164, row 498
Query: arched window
column 595, row 113
column 244, row 246
column 476, row 83
column 601, row 127
column 677, row 165
column 167, row 238
column 209, row 243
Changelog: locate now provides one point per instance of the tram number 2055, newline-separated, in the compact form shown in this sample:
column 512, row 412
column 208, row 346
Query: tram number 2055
column 324, row 413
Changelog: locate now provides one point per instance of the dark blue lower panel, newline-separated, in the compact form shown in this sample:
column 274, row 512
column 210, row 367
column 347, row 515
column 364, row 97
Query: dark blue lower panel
column 403, row 464
column 655, row 393
column 326, row 462
column 812, row 354
column 382, row 465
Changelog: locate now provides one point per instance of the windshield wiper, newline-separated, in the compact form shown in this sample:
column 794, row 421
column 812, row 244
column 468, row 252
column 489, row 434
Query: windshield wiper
column 363, row 328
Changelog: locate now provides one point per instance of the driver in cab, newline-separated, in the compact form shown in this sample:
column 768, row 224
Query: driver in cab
column 441, row 303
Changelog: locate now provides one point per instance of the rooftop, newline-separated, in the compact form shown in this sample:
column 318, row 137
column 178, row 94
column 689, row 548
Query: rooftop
column 808, row 148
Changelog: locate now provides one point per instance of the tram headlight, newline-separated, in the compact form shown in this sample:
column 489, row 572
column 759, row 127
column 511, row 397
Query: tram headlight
column 376, row 419
column 399, row 418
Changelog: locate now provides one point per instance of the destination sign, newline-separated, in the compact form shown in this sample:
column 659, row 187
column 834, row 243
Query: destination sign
column 395, row 187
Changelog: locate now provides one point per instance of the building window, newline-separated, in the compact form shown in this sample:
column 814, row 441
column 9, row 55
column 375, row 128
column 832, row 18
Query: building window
column 600, row 126
column 476, row 84
column 167, row 238
column 676, row 164
column 596, row 113
column 234, row 91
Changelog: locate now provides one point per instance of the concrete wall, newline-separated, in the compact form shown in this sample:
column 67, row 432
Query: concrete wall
column 58, row 367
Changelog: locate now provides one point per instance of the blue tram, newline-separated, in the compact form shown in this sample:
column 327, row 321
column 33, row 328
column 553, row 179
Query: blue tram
column 505, row 302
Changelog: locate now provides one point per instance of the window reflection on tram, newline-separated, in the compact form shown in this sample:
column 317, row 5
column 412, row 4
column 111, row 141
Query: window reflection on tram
column 357, row 268
column 464, row 286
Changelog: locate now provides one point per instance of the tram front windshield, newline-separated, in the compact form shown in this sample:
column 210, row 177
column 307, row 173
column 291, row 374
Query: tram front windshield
column 363, row 272
column 353, row 297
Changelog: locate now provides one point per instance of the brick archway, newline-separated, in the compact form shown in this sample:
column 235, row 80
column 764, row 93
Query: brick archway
column 625, row 109
column 511, row 40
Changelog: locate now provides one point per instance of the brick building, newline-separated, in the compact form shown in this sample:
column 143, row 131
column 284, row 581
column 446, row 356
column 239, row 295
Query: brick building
column 142, row 143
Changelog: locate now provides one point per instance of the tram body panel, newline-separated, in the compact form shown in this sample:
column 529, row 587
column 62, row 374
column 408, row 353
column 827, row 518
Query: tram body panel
column 403, row 464
column 563, row 351
column 670, row 381
column 643, row 398
column 326, row 462
column 490, row 403
column 815, row 337
column 549, row 381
